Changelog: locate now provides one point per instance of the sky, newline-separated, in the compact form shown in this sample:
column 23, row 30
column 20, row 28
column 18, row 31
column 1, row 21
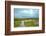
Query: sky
column 26, row 13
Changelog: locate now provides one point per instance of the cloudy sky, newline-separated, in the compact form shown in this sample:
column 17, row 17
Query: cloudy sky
column 26, row 13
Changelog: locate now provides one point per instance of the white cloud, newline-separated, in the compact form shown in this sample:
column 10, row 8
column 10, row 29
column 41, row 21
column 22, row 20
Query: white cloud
column 31, row 12
column 24, row 11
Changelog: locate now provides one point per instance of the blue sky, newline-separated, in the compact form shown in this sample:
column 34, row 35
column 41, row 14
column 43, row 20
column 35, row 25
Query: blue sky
column 26, row 13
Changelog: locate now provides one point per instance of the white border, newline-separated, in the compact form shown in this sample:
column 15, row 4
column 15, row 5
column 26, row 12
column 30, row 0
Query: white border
column 25, row 28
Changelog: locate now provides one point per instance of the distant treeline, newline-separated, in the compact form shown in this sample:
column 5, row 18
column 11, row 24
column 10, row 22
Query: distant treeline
column 26, row 19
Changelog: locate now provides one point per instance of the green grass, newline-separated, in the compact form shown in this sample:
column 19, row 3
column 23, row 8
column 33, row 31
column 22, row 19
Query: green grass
column 31, row 23
column 17, row 23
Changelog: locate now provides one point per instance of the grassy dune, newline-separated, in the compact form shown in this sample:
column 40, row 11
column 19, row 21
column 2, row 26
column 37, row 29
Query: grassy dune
column 28, row 22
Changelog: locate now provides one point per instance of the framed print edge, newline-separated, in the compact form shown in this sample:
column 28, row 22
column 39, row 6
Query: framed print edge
column 8, row 17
